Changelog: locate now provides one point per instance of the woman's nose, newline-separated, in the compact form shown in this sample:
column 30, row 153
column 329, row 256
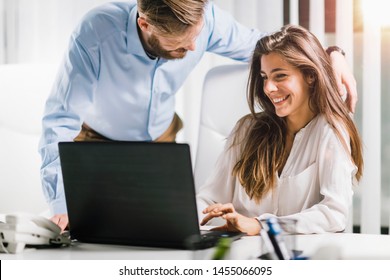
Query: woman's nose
column 269, row 86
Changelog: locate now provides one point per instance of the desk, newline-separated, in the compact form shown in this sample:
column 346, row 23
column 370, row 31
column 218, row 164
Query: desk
column 346, row 245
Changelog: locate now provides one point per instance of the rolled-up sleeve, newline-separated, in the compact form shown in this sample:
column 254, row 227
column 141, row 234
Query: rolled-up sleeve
column 71, row 95
column 228, row 37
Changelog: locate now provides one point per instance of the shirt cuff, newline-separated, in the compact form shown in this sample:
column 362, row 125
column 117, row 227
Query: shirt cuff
column 58, row 206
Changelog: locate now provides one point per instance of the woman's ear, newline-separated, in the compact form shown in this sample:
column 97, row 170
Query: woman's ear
column 310, row 79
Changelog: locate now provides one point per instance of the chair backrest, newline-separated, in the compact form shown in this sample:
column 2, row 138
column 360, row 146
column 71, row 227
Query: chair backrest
column 23, row 92
column 223, row 104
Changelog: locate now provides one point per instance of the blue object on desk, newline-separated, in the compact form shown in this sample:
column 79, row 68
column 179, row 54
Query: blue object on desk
column 274, row 233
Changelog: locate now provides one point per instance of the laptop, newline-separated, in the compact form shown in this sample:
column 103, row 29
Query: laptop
column 133, row 193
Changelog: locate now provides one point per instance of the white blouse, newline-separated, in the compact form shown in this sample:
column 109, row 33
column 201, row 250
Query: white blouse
column 314, row 188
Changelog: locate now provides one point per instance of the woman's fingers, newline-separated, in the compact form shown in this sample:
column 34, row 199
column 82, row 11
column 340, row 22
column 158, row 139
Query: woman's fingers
column 216, row 210
column 211, row 208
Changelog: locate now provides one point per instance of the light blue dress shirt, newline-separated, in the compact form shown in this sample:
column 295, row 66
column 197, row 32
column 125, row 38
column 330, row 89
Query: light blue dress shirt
column 107, row 81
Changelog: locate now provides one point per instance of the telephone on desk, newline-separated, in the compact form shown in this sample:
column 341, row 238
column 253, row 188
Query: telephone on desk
column 21, row 230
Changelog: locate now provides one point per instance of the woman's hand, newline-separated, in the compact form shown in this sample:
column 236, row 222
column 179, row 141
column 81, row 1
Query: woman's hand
column 344, row 76
column 234, row 220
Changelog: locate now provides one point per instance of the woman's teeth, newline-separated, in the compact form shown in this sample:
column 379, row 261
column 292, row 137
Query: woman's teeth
column 277, row 100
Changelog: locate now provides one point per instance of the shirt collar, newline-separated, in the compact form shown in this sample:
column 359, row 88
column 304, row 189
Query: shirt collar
column 134, row 45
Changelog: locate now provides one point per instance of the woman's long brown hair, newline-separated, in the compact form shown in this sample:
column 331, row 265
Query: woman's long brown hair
column 264, row 150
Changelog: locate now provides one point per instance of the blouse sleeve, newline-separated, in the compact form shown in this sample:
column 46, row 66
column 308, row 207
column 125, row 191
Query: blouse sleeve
column 220, row 185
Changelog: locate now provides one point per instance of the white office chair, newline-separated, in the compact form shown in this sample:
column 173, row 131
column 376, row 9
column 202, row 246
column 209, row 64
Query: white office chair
column 23, row 91
column 223, row 104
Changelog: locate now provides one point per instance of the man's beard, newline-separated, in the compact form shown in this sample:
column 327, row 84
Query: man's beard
column 158, row 51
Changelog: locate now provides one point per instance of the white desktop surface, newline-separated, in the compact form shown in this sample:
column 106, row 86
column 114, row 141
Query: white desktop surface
column 350, row 246
column 333, row 246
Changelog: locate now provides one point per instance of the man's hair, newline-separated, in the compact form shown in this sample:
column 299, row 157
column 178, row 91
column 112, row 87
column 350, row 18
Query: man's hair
column 172, row 16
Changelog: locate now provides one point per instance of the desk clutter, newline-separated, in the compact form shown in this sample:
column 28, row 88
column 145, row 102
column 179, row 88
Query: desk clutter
column 26, row 236
column 279, row 245
column 19, row 231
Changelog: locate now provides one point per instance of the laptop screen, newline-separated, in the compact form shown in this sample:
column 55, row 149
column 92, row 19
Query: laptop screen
column 134, row 193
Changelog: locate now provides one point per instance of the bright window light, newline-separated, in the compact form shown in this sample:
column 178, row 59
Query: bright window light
column 376, row 12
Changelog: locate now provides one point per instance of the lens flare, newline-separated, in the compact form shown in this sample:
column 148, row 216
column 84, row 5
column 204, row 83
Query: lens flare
column 376, row 12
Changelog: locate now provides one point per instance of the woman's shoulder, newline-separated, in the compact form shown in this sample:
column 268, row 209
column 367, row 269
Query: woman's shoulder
column 245, row 121
column 241, row 129
column 244, row 124
column 329, row 125
column 331, row 131
column 248, row 123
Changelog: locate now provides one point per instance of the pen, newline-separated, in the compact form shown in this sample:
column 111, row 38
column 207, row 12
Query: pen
column 274, row 234
column 268, row 244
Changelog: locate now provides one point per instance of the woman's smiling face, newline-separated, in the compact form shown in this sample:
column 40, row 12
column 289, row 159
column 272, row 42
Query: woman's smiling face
column 285, row 86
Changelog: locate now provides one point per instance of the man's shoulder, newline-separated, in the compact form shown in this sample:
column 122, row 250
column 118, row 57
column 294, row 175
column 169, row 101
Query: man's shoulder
column 110, row 10
column 106, row 19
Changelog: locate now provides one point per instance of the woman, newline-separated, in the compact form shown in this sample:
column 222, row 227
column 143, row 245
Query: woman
column 299, row 157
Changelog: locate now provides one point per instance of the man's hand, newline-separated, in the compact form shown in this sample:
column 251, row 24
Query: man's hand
column 344, row 77
column 61, row 220
column 234, row 220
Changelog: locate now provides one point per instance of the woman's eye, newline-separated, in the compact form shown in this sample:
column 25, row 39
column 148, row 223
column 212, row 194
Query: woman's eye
column 281, row 76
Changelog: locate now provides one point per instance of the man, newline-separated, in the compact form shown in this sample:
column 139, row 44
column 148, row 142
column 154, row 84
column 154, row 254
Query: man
column 124, row 64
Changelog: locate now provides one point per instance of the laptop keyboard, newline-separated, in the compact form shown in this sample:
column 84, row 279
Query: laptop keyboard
column 209, row 239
